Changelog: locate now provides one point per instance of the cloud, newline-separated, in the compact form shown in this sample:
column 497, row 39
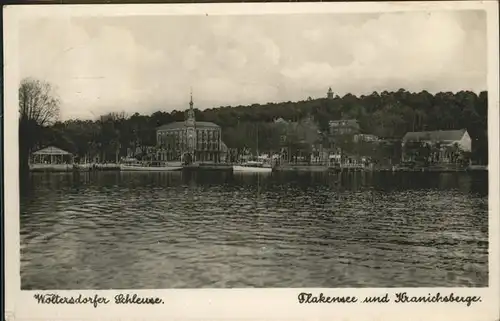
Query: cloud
column 193, row 58
column 313, row 74
column 103, row 71
column 314, row 35
column 423, row 52
column 142, row 64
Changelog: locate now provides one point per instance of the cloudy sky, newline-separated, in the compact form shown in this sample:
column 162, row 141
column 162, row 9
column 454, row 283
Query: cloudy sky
column 146, row 64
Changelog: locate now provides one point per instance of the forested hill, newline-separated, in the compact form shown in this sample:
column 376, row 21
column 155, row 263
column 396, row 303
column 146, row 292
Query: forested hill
column 386, row 114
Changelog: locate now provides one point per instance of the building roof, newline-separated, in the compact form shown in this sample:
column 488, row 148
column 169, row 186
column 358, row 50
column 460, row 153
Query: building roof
column 181, row 124
column 437, row 135
column 51, row 150
column 344, row 122
column 366, row 135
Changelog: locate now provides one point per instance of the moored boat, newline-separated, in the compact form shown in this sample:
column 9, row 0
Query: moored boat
column 258, row 165
column 150, row 166
column 253, row 167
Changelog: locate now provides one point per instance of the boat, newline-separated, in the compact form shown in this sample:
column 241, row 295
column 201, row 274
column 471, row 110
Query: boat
column 150, row 166
column 253, row 167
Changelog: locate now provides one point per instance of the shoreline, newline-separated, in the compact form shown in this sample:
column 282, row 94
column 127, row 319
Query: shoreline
column 316, row 168
column 280, row 169
column 72, row 167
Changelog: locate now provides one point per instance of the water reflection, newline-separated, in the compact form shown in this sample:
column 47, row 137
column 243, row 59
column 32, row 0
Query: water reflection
column 206, row 229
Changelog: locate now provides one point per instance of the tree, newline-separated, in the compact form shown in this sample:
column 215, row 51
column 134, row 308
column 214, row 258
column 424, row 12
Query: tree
column 38, row 108
column 388, row 115
column 38, row 102
column 419, row 152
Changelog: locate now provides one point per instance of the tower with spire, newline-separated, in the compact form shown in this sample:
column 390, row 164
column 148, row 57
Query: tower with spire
column 190, row 141
column 329, row 94
column 191, row 132
column 190, row 119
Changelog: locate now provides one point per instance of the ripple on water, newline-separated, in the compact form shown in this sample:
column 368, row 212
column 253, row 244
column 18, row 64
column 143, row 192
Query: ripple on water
column 98, row 231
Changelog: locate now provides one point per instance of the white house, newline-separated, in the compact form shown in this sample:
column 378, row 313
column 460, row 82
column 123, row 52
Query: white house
column 445, row 138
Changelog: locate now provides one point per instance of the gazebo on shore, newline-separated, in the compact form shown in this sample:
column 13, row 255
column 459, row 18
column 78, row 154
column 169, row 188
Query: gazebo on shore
column 52, row 155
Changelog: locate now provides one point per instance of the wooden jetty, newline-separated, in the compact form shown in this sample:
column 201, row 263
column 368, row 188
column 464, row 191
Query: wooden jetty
column 73, row 167
column 208, row 167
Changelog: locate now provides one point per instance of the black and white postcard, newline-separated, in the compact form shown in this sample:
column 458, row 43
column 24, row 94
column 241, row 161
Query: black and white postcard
column 262, row 161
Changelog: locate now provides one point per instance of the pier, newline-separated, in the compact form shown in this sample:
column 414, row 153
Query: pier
column 73, row 167
column 304, row 167
column 208, row 167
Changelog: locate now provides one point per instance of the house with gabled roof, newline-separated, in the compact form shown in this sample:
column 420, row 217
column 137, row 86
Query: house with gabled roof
column 440, row 146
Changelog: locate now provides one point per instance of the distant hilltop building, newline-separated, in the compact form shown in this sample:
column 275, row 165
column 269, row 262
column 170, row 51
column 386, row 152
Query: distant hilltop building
column 329, row 93
column 190, row 141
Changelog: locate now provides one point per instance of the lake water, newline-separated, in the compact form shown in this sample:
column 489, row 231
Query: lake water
column 113, row 230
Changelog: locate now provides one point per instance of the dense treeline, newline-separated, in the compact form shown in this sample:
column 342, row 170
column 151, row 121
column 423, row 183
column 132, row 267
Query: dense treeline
column 386, row 114
column 38, row 109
